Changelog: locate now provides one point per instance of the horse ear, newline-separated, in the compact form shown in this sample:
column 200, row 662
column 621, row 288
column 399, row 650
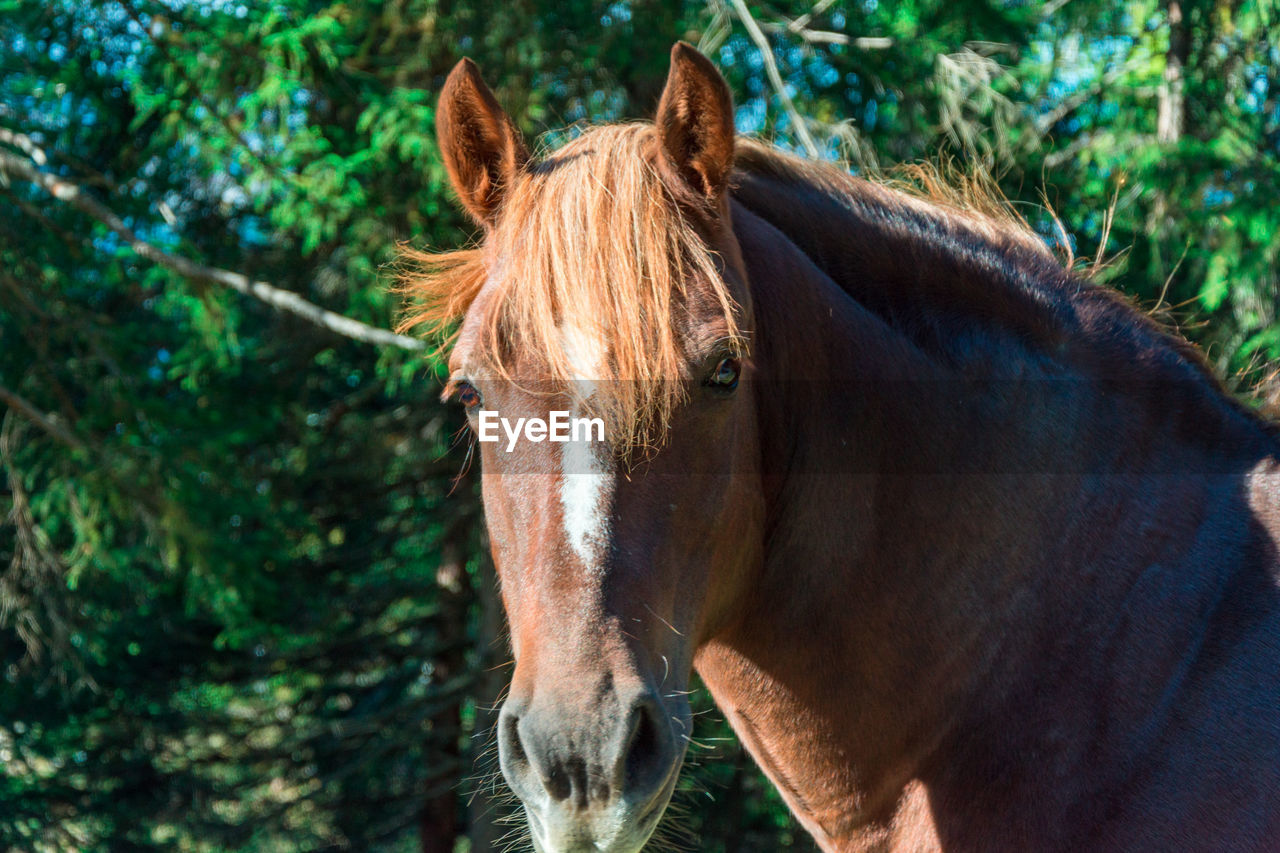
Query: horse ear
column 481, row 146
column 695, row 122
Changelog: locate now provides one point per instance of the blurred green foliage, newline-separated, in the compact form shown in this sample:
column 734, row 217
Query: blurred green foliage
column 243, row 602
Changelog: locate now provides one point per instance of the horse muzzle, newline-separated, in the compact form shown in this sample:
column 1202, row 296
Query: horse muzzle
column 592, row 779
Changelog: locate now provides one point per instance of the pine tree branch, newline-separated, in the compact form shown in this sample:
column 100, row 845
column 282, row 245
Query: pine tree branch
column 40, row 419
column 284, row 300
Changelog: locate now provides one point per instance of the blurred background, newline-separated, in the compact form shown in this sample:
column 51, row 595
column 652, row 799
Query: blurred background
column 243, row 602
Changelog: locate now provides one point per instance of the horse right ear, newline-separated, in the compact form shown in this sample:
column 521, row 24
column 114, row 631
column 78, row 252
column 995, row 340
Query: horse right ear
column 482, row 148
column 695, row 123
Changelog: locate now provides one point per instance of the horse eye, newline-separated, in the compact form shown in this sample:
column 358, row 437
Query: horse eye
column 468, row 395
column 725, row 376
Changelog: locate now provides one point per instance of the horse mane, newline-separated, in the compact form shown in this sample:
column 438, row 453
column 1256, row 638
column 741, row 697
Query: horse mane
column 592, row 262
column 994, row 293
column 936, row 191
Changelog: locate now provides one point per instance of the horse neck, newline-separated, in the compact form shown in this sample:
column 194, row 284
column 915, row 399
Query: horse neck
column 937, row 557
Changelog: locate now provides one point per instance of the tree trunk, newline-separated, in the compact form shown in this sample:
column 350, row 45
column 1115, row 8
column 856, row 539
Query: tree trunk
column 486, row 807
column 438, row 824
column 1171, row 110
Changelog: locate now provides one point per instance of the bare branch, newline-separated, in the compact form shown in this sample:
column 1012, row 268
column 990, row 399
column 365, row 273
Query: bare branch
column 1045, row 122
column 276, row 297
column 775, row 78
column 40, row 419
column 25, row 144
column 827, row 37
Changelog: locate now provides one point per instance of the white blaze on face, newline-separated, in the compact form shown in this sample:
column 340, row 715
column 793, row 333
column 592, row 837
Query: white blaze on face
column 587, row 480
column 585, row 489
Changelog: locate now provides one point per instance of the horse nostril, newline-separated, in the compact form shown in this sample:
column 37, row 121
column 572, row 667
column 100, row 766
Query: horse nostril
column 525, row 766
column 645, row 754
column 513, row 751
column 559, row 783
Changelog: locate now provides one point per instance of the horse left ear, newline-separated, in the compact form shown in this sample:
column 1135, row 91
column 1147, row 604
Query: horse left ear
column 481, row 147
column 695, row 123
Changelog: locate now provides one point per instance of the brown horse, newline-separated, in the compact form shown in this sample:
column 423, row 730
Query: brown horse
column 970, row 553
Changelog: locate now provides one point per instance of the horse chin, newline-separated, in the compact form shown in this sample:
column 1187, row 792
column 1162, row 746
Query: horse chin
column 625, row 836
column 623, row 828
